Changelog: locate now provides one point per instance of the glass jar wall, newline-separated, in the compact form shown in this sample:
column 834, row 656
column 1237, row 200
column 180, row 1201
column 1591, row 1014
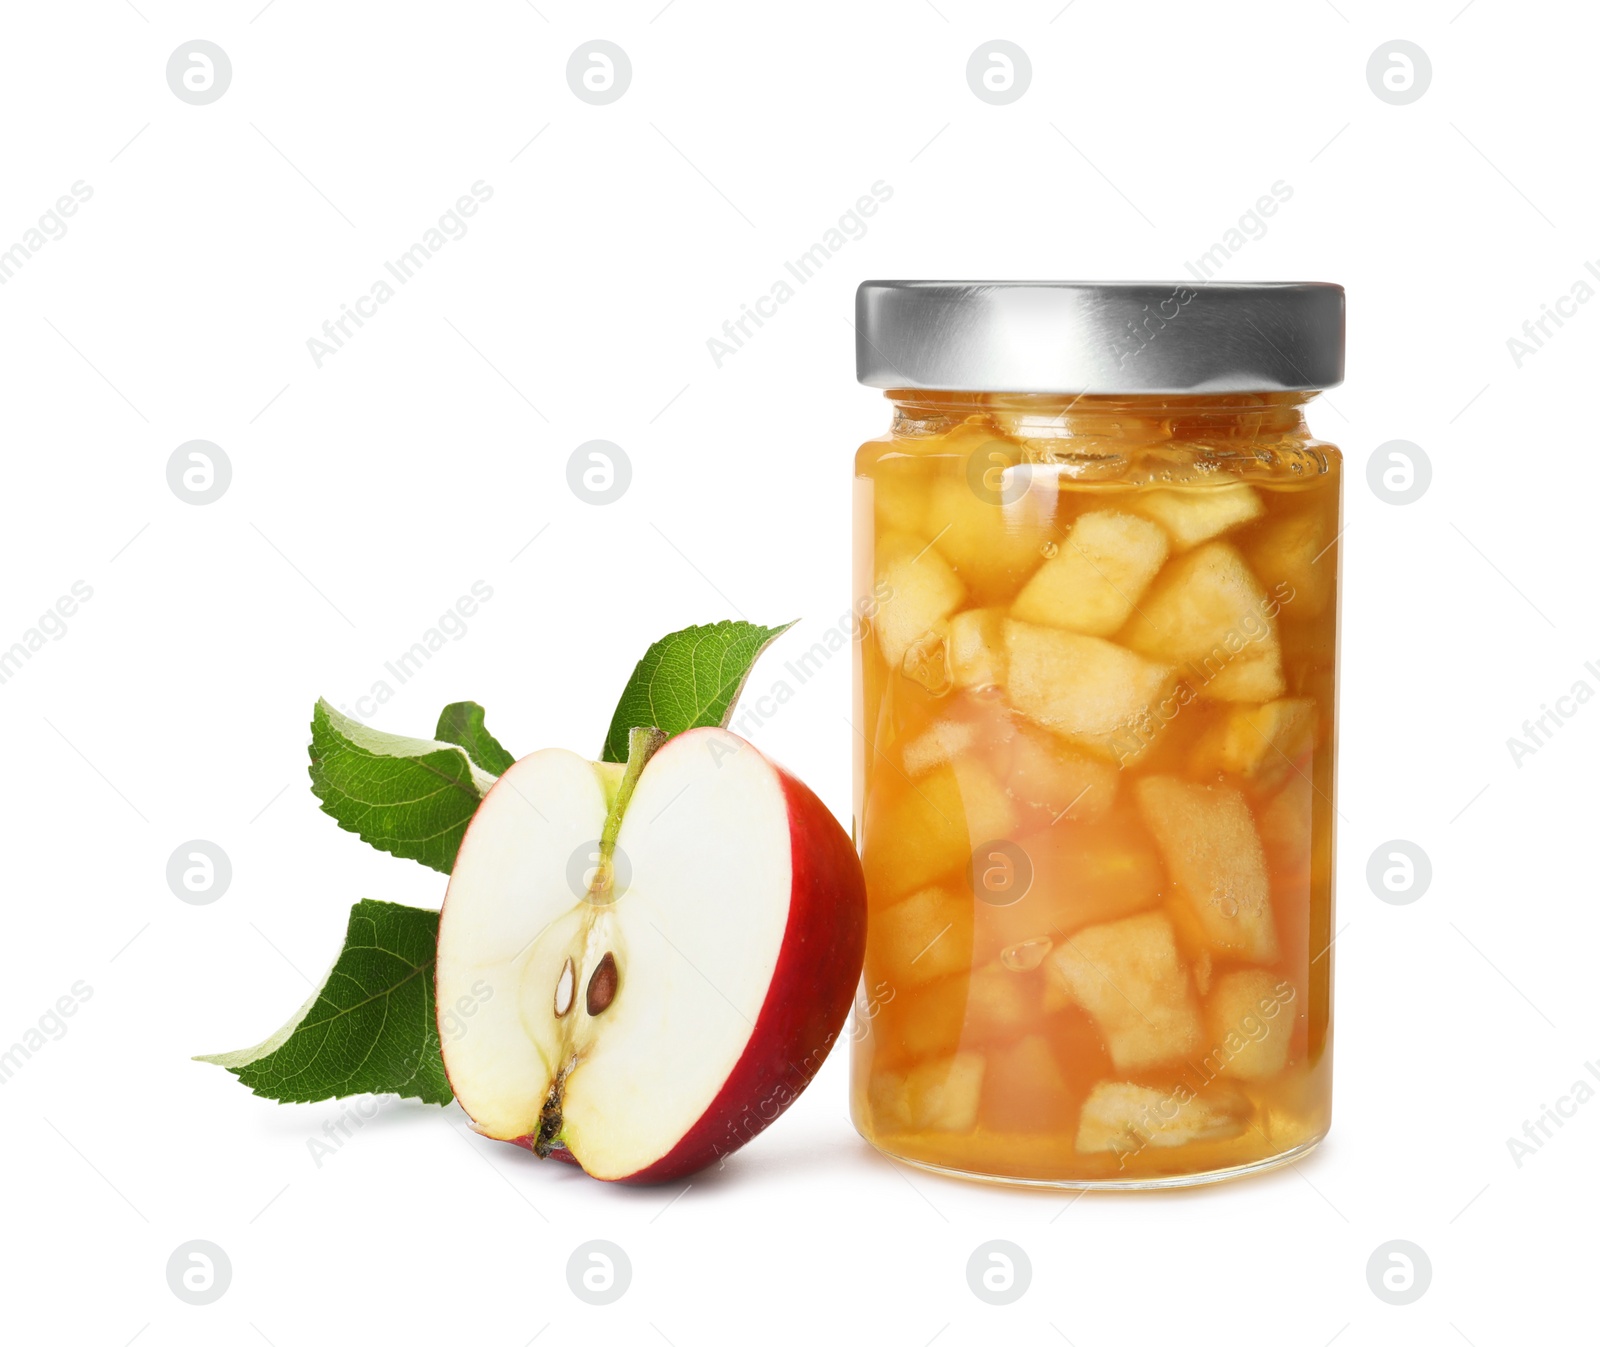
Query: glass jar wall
column 1095, row 713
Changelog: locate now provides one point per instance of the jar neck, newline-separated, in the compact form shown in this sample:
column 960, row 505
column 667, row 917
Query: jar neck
column 1141, row 417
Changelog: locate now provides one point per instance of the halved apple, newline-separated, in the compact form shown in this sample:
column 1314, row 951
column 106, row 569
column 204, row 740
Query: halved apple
column 662, row 955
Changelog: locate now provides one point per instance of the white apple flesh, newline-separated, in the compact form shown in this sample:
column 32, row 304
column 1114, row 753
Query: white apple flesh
column 641, row 969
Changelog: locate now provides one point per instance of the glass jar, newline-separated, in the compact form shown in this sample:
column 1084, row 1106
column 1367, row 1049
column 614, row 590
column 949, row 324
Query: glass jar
column 1097, row 567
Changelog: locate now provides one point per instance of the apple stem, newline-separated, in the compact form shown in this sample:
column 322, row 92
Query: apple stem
column 642, row 745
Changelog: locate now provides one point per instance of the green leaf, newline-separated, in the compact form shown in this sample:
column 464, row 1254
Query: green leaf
column 462, row 723
column 368, row 1029
column 691, row 677
column 409, row 797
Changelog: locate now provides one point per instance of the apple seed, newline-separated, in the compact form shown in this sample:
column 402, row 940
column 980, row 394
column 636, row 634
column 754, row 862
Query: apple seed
column 602, row 984
column 565, row 986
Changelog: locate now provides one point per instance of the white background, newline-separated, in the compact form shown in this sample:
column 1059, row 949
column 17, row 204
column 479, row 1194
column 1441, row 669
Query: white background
column 368, row 494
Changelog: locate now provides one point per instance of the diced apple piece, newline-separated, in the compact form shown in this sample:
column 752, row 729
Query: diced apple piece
column 912, row 834
column 1024, row 1089
column 920, row 591
column 914, row 1023
column 1083, row 875
column 1086, row 689
column 1208, row 840
column 1259, row 743
column 1124, row 1118
column 1128, row 976
column 1094, row 581
column 887, row 1102
column 976, row 645
column 989, row 811
column 939, row 743
column 935, row 1096
column 1249, row 1025
column 920, row 938
column 992, row 513
column 1193, row 514
column 1001, row 1003
column 917, row 831
column 1070, row 786
column 943, row 1095
column 1285, row 825
column 994, row 545
column 1249, row 678
column 1295, row 548
column 1208, row 615
column 894, row 503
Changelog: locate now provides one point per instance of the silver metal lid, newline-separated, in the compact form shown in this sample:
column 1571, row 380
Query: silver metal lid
column 1100, row 336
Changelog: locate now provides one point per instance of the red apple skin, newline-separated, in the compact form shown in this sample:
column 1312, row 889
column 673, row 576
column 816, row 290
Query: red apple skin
column 813, row 984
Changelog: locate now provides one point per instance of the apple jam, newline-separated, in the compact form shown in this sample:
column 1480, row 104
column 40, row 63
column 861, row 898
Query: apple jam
column 1095, row 718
